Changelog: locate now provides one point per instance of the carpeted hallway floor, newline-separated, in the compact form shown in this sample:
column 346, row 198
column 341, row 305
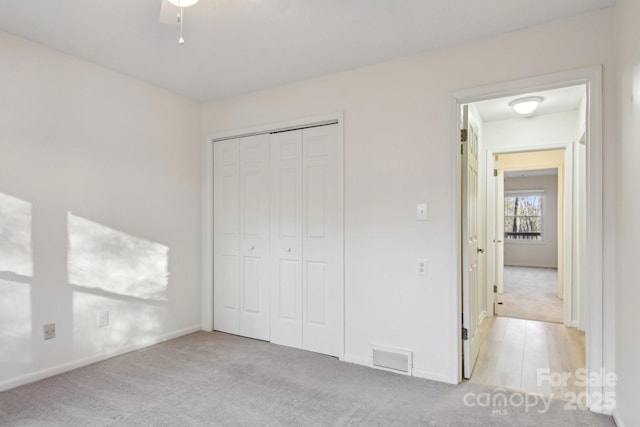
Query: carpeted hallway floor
column 530, row 293
column 218, row 379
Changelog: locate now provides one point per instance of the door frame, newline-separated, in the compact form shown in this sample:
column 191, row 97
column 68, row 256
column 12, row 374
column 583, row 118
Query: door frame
column 206, row 283
column 565, row 252
column 592, row 78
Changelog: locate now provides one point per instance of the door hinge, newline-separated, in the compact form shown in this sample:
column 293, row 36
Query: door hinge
column 465, row 334
column 463, row 135
column 495, row 172
column 461, row 148
column 495, row 289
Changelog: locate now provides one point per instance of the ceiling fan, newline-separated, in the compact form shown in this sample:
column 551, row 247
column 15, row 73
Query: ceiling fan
column 172, row 13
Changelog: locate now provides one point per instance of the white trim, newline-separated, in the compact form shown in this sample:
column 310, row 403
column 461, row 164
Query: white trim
column 455, row 347
column 206, row 299
column 567, row 234
column 207, row 204
column 617, row 419
column 565, row 169
column 69, row 366
column 592, row 77
column 277, row 127
column 567, row 207
column 417, row 372
column 526, row 193
column 433, row 376
column 356, row 360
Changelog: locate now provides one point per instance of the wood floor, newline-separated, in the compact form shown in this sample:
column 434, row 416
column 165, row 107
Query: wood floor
column 531, row 356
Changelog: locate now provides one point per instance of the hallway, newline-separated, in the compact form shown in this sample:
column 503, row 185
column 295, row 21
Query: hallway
column 520, row 354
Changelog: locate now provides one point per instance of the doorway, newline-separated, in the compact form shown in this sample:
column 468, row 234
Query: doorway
column 575, row 259
column 529, row 204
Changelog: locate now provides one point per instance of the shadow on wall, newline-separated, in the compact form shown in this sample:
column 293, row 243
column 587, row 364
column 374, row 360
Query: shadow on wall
column 16, row 273
column 108, row 271
column 113, row 271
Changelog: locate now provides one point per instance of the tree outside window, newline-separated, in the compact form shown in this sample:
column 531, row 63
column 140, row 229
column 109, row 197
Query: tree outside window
column 523, row 215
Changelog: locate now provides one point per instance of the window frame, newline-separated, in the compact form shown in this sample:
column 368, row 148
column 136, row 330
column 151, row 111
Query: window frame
column 524, row 193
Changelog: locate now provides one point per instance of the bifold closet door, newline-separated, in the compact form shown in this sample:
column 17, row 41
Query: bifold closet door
column 226, row 236
column 306, row 240
column 286, row 238
column 322, row 241
column 241, row 236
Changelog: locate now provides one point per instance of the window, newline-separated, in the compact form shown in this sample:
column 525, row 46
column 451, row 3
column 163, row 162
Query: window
column 523, row 215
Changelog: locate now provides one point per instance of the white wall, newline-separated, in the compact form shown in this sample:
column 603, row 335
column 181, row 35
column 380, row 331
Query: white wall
column 530, row 133
column 543, row 253
column 398, row 152
column 99, row 210
column 628, row 228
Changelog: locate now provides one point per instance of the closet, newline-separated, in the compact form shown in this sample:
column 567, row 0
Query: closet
column 278, row 238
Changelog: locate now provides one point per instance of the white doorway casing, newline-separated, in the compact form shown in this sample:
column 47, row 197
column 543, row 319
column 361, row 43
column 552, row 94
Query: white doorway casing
column 542, row 156
column 592, row 78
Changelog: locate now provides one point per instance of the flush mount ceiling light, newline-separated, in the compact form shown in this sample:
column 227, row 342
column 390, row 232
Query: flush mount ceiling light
column 182, row 4
column 526, row 106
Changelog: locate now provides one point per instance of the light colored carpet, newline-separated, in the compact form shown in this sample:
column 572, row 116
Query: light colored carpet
column 215, row 379
column 530, row 293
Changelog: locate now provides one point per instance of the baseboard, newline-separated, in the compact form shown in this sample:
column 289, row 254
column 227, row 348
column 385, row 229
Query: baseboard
column 364, row 361
column 69, row 366
column 617, row 419
column 418, row 373
column 433, row 376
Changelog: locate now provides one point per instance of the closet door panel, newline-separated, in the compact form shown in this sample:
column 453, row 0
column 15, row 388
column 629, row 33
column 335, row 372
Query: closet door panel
column 286, row 238
column 254, row 238
column 322, row 241
column 226, row 247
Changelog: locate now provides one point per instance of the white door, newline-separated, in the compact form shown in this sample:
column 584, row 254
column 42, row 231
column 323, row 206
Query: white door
column 241, row 236
column 471, row 281
column 500, row 231
column 306, row 240
column 286, row 238
column 226, row 230
column 278, row 238
column 322, row 241
column 254, row 237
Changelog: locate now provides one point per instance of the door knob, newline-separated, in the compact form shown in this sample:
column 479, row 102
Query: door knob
column 480, row 251
column 252, row 248
column 289, row 250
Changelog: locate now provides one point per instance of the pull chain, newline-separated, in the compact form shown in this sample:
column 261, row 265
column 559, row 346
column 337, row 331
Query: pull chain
column 180, row 20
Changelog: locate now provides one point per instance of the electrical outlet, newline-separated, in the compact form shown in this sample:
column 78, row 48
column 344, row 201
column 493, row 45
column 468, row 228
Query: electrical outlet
column 421, row 267
column 49, row 331
column 103, row 319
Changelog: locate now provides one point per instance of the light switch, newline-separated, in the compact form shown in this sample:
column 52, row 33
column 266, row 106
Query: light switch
column 422, row 212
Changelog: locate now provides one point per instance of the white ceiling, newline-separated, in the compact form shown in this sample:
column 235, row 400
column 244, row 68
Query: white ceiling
column 554, row 101
column 239, row 46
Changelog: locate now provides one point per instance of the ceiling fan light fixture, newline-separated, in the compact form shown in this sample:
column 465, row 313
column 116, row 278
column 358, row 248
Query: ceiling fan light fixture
column 526, row 106
column 183, row 3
